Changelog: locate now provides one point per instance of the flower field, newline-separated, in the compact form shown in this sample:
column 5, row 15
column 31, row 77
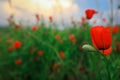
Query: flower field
column 80, row 51
column 53, row 54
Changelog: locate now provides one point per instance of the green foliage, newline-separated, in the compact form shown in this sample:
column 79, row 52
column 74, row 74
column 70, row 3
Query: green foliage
column 77, row 64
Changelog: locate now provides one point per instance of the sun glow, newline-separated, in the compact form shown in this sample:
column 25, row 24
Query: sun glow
column 51, row 7
column 44, row 7
column 49, row 4
column 26, row 9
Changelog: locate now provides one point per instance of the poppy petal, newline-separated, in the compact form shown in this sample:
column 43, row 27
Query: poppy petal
column 97, row 36
column 107, row 51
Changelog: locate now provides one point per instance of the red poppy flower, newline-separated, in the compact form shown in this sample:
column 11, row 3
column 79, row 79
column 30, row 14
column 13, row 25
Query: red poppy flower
column 55, row 66
column 102, row 39
column 61, row 54
column 34, row 28
column 18, row 62
column 40, row 53
column 17, row 44
column 89, row 13
column 72, row 38
column 117, row 46
column 57, row 37
column 10, row 49
column 51, row 19
column 115, row 30
column 83, row 19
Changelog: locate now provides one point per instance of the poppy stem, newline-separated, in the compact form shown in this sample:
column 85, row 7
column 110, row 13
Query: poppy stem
column 106, row 60
column 111, row 17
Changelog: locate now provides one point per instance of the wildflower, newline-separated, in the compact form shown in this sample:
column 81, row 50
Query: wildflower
column 37, row 17
column 34, row 28
column 83, row 19
column 115, row 30
column 117, row 46
column 40, row 53
column 51, row 19
column 62, row 55
column 57, row 37
column 17, row 44
column 72, row 38
column 18, row 62
column 55, row 66
column 102, row 39
column 10, row 48
column 89, row 13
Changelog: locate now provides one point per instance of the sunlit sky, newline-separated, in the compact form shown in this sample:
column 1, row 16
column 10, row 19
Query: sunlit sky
column 61, row 10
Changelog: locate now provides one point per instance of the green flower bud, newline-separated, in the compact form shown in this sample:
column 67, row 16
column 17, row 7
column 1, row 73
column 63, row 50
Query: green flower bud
column 89, row 48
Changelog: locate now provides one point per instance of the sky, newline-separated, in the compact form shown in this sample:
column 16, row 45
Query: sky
column 62, row 10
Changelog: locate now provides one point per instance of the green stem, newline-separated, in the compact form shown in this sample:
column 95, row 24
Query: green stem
column 107, row 67
column 111, row 18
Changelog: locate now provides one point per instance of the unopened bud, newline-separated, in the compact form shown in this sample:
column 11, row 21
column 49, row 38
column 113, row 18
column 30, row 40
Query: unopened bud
column 88, row 47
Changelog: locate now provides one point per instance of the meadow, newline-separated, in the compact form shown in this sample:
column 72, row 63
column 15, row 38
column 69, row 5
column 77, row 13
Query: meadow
column 80, row 51
column 41, row 53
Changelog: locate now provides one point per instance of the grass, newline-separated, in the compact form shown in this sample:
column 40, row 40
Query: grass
column 76, row 65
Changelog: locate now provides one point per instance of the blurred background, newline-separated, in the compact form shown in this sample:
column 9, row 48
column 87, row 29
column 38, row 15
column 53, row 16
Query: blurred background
column 52, row 40
column 61, row 11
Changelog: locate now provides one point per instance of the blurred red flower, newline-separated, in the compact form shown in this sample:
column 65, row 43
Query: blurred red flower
column 55, row 66
column 72, row 38
column 18, row 62
column 34, row 28
column 83, row 19
column 80, row 48
column 117, row 46
column 10, row 48
column 89, row 13
column 104, row 19
column 37, row 17
column 115, row 30
column 17, row 44
column 37, row 58
column 62, row 55
column 57, row 37
column 40, row 53
column 102, row 39
column 51, row 19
